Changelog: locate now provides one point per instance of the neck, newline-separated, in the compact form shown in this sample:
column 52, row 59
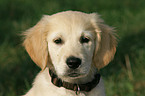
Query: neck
column 76, row 85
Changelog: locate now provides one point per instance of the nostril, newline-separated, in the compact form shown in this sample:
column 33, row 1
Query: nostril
column 73, row 62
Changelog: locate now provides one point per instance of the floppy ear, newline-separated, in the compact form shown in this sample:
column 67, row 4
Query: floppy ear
column 35, row 43
column 106, row 48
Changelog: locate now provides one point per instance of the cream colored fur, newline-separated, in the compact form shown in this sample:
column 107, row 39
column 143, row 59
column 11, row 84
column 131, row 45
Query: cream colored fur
column 69, row 26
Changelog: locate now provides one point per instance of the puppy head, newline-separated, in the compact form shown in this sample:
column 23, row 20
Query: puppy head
column 72, row 41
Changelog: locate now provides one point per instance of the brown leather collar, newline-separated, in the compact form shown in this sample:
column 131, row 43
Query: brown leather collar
column 75, row 87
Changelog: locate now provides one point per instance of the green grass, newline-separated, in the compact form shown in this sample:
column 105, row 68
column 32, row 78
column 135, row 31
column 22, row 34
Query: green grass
column 17, row 70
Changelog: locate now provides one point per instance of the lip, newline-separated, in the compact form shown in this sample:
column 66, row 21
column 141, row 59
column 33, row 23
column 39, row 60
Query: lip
column 73, row 75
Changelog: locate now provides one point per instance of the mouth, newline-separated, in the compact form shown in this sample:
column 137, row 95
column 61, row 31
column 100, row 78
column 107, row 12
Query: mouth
column 73, row 75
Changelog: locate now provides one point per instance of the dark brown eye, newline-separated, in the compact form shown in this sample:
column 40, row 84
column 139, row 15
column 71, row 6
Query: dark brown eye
column 84, row 39
column 58, row 41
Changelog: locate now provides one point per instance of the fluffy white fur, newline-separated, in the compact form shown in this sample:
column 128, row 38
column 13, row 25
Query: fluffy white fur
column 69, row 26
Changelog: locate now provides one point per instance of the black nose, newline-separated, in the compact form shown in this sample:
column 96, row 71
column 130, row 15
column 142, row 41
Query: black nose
column 73, row 62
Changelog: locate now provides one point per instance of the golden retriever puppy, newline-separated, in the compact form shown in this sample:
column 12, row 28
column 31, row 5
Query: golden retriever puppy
column 70, row 47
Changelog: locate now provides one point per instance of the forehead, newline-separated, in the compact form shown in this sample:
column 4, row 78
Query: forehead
column 69, row 24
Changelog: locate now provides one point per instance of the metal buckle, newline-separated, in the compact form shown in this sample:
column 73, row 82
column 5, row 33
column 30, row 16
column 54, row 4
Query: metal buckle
column 78, row 90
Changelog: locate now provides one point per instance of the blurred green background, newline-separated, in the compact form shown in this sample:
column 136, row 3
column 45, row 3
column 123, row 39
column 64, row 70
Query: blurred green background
column 124, row 76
